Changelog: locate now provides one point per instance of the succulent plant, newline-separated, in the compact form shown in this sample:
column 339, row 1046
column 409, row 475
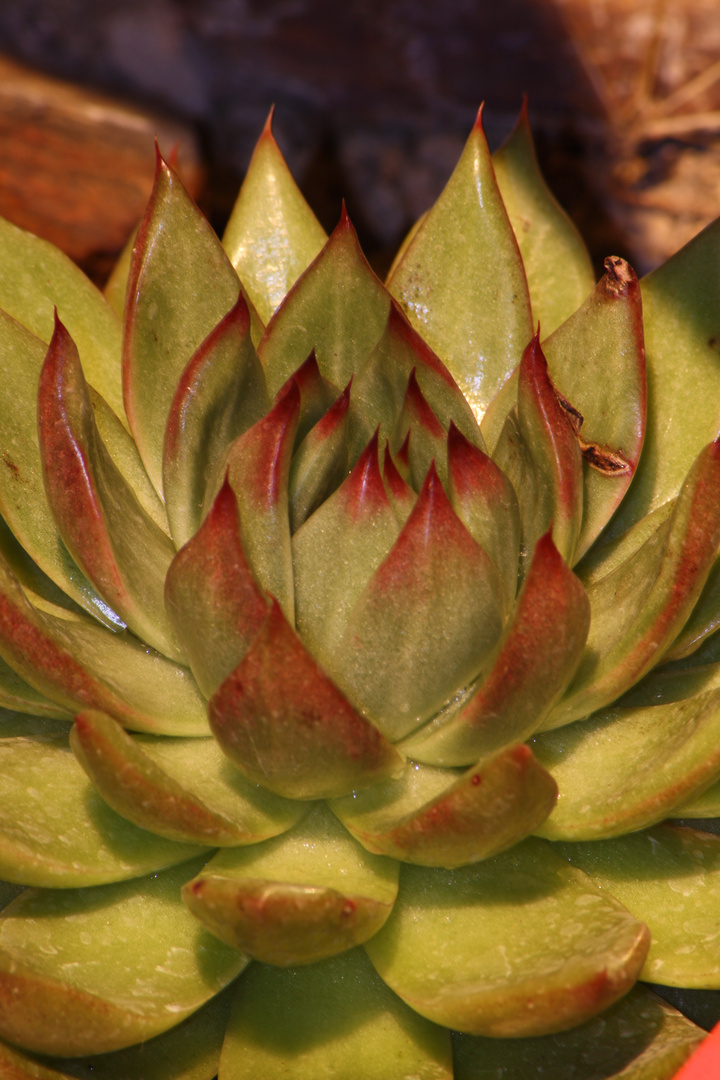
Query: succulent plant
column 358, row 642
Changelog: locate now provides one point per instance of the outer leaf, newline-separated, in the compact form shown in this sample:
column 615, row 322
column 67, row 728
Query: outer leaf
column 116, row 674
column 556, row 261
column 309, row 894
column 183, row 789
column 461, row 279
column 272, row 235
column 94, row 970
column 327, row 1019
column 681, row 302
column 113, row 540
column 124, row 453
column 57, row 833
column 220, row 395
column 213, row 596
column 536, row 658
column 434, row 818
column 628, row 768
column 23, row 502
column 338, row 308
column 181, row 284
column 338, row 549
column 288, row 727
column 518, row 945
column 638, row 609
column 425, row 623
column 641, row 1037
column 190, row 1051
column 36, row 278
column 669, row 876
column 539, row 452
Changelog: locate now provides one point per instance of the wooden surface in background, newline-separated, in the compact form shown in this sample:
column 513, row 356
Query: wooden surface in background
column 77, row 167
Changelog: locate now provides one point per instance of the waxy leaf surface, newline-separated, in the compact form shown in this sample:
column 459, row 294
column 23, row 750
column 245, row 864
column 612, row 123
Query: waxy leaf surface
column 337, row 551
column 213, row 596
column 93, row 970
column 23, row 503
column 425, row 623
column 536, row 658
column 557, row 264
column 112, row 539
column 627, row 768
column 183, row 789
column 221, row 393
column 272, row 235
column 338, row 308
column 330, row 1019
column 258, row 469
column 115, row 673
column 299, row 898
column 521, row 944
column 641, row 1037
column 668, row 876
column 35, row 279
column 433, row 817
column 638, row 609
column 461, row 280
column 181, row 284
column 681, row 301
column 55, row 831
column 539, row 453
column 287, row 726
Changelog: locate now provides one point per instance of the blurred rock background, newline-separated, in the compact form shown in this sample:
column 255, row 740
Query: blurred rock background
column 374, row 99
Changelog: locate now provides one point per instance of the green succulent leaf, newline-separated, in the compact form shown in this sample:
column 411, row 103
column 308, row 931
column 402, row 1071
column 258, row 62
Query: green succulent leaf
column 55, row 831
column 338, row 549
column 537, row 655
column 521, row 944
column 35, row 280
column 425, row 623
column 181, row 285
column 539, row 452
column 624, row 769
column 639, row 608
column 682, row 332
column 329, row 1019
column 299, row 898
column 95, row 970
column 189, row 1051
column 183, row 789
column 338, row 307
column 426, row 437
column 641, row 1037
column 111, row 537
column 669, row 876
column 220, row 394
column 287, row 726
column 485, row 501
column 213, row 597
column 557, row 264
column 380, row 388
column 258, row 469
column 116, row 284
column 320, row 463
column 434, row 817
column 272, row 235
column 78, row 664
column 461, row 280
column 23, row 502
